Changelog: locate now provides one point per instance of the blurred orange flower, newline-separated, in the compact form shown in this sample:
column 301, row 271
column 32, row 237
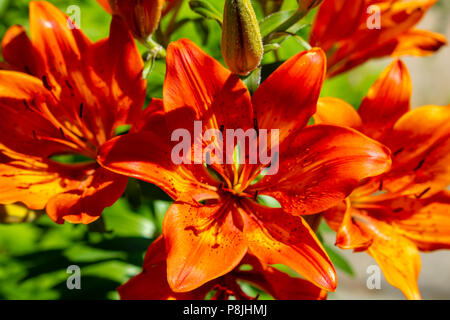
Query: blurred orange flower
column 405, row 210
column 61, row 95
column 215, row 221
column 354, row 31
column 151, row 283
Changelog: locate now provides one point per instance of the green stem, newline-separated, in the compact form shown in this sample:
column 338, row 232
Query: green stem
column 154, row 48
column 172, row 22
column 296, row 17
column 253, row 80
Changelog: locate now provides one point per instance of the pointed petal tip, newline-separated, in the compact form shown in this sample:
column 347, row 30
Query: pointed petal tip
column 181, row 44
column 329, row 281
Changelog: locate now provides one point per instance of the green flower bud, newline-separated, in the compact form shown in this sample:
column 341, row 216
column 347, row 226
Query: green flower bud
column 242, row 46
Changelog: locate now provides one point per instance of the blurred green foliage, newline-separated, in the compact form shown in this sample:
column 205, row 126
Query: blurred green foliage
column 34, row 256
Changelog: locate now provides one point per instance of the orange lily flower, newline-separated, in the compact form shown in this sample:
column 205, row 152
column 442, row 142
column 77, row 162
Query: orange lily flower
column 347, row 31
column 151, row 283
column 215, row 221
column 411, row 213
column 62, row 95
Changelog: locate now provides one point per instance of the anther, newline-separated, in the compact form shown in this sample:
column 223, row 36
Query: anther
column 255, row 126
column 46, row 84
column 398, row 151
column 62, row 133
column 26, row 104
column 419, row 165
column 422, row 193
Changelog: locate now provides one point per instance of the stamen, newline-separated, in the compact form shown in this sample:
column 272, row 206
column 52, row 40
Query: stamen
column 68, row 84
column 62, row 133
column 423, row 193
column 381, row 185
column 26, row 104
column 256, row 195
column 46, row 84
column 255, row 126
column 222, row 128
column 419, row 165
column 81, row 110
column 398, row 151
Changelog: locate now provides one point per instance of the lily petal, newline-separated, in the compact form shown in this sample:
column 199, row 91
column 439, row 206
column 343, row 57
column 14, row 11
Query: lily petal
column 321, row 167
column 287, row 99
column 202, row 244
column 197, row 81
column 86, row 203
column 424, row 221
column 278, row 284
column 23, row 126
column 348, row 234
column 18, row 51
column 146, row 155
column 95, row 99
column 151, row 283
column 59, row 44
column 387, row 100
column 418, row 43
column 420, row 142
column 121, row 73
column 276, row 237
column 337, row 112
column 335, row 21
column 397, row 257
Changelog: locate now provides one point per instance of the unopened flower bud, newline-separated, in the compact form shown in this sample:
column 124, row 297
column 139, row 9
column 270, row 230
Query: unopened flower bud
column 242, row 46
column 141, row 16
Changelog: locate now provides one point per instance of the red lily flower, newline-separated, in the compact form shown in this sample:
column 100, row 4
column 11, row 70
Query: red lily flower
column 412, row 213
column 319, row 166
column 344, row 30
column 64, row 95
column 151, row 283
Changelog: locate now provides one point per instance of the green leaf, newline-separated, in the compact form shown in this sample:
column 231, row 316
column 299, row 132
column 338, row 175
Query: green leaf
column 339, row 261
column 206, row 9
column 271, row 22
column 271, row 47
column 120, row 220
column 3, row 6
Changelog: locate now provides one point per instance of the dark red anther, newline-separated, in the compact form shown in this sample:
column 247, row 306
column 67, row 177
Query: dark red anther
column 419, row 165
column 46, row 84
column 398, row 151
column 418, row 196
column 62, row 133
column 255, row 126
